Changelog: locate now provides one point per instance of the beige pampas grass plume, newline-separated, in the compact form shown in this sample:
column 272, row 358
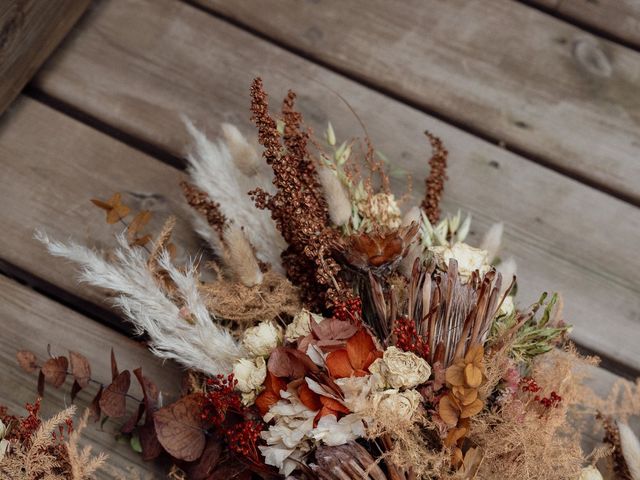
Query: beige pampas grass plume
column 630, row 446
column 244, row 155
column 240, row 258
column 492, row 240
column 336, row 196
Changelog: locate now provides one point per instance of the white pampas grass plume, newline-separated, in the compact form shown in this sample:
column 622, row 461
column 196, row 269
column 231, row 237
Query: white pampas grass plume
column 630, row 446
column 239, row 257
column 187, row 335
column 244, row 155
column 337, row 198
column 492, row 240
column 213, row 170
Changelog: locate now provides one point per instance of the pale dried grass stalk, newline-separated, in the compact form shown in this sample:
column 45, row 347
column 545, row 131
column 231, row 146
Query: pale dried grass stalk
column 336, row 196
column 239, row 257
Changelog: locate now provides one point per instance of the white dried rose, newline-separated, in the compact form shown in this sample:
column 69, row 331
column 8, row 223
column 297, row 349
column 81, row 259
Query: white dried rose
column 401, row 369
column 469, row 258
column 393, row 405
column 590, row 473
column 250, row 373
column 262, row 339
column 301, row 325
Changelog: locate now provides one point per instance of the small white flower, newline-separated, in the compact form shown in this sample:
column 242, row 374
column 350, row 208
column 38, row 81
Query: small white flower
column 590, row 473
column 507, row 306
column 401, row 369
column 335, row 432
column 393, row 404
column 469, row 258
column 250, row 374
column 301, row 325
column 262, row 339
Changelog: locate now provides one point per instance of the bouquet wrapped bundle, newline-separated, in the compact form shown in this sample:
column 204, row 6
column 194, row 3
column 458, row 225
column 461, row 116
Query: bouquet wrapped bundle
column 335, row 337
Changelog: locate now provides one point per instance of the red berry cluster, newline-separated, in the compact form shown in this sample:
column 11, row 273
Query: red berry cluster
column 348, row 310
column 242, row 438
column 528, row 384
column 408, row 339
column 220, row 398
column 551, row 401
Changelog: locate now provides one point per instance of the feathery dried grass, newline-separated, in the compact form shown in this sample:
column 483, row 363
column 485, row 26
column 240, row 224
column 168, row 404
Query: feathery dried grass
column 81, row 461
column 184, row 333
column 215, row 170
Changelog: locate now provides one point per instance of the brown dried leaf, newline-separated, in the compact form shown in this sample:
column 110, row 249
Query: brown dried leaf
column 472, row 409
column 55, row 370
column 179, row 428
column 94, row 408
column 41, row 383
column 114, row 366
column 149, row 390
column 135, row 417
column 114, row 208
column 137, row 224
column 332, row 329
column 113, row 400
column 206, row 464
column 283, row 364
column 151, row 447
column 80, row 369
column 27, row 361
column 75, row 389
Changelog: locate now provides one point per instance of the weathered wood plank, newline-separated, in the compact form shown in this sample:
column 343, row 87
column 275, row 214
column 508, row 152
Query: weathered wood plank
column 56, row 165
column 139, row 65
column 29, row 31
column 499, row 68
column 618, row 18
column 30, row 321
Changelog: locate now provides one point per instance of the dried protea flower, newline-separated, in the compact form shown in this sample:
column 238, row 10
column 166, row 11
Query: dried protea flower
column 346, row 462
column 378, row 251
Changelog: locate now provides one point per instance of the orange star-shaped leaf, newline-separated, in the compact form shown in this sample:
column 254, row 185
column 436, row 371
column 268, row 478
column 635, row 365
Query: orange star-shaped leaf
column 114, row 208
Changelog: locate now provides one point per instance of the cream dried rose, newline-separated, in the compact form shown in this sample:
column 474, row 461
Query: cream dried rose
column 250, row 374
column 301, row 325
column 469, row 258
column 590, row 473
column 262, row 339
column 395, row 405
column 400, row 369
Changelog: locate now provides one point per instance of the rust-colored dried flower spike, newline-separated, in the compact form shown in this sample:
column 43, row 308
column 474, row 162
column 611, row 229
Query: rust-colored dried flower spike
column 435, row 180
column 298, row 207
column 202, row 204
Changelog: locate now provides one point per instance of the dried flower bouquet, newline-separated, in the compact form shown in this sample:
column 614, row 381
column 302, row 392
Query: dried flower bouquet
column 334, row 338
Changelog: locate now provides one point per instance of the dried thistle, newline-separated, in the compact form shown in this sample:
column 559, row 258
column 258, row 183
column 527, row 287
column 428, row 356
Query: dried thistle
column 435, row 180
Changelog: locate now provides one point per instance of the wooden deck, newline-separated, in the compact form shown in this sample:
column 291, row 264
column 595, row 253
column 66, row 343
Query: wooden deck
column 537, row 101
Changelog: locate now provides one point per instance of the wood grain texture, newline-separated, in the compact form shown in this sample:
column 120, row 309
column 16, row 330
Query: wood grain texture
column 52, row 165
column 29, row 31
column 30, row 321
column 499, row 68
column 139, row 65
column 617, row 18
